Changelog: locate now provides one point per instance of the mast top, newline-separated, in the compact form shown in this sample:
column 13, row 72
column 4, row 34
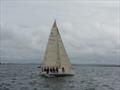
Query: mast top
column 54, row 24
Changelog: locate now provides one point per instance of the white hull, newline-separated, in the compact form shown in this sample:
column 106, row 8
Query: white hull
column 56, row 74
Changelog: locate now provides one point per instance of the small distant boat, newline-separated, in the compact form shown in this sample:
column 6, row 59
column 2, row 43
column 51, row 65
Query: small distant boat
column 56, row 62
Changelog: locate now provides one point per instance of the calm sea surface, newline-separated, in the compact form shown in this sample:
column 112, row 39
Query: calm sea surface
column 26, row 77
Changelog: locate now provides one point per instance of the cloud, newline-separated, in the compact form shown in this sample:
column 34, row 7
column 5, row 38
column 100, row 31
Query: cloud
column 21, row 43
column 90, row 30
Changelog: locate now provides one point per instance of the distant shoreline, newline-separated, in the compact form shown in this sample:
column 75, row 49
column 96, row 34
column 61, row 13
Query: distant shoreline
column 96, row 65
column 99, row 65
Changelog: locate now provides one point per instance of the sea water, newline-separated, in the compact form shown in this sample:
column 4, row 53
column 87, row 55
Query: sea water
column 27, row 77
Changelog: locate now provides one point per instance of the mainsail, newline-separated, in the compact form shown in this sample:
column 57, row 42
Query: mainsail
column 55, row 54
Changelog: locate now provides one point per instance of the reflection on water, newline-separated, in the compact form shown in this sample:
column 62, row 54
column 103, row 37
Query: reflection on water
column 26, row 77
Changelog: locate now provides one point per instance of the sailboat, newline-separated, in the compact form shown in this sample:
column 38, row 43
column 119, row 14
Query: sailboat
column 56, row 61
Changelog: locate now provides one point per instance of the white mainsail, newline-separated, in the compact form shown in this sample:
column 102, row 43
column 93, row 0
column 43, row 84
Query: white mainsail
column 55, row 54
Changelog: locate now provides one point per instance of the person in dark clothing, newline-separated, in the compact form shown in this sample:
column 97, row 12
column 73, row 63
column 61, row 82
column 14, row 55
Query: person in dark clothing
column 53, row 69
column 63, row 70
column 44, row 69
column 47, row 70
column 57, row 70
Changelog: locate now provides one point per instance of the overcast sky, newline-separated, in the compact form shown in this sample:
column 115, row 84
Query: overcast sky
column 89, row 28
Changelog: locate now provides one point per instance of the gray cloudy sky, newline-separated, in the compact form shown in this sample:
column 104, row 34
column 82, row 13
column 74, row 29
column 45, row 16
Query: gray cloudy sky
column 89, row 28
